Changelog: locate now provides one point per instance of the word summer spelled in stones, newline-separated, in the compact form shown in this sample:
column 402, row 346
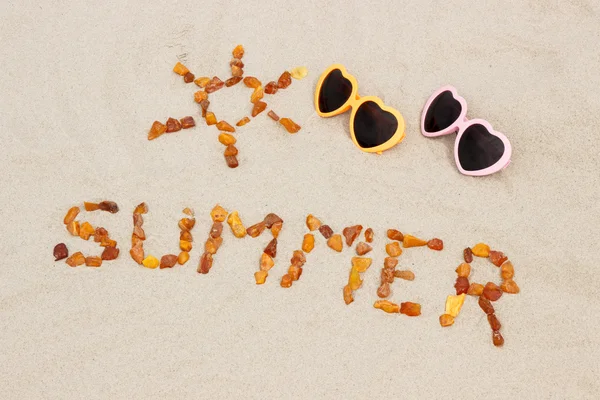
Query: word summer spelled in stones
column 350, row 236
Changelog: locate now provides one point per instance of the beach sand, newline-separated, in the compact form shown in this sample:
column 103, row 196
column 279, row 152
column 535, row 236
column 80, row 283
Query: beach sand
column 82, row 85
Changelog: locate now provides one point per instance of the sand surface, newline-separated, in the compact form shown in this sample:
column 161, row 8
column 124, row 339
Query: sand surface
column 82, row 84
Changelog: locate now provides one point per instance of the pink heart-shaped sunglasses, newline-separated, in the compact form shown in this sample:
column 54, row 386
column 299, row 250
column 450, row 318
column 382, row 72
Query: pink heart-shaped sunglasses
column 478, row 150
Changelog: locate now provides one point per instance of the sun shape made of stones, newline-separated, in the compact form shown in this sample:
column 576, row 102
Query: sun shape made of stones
column 211, row 85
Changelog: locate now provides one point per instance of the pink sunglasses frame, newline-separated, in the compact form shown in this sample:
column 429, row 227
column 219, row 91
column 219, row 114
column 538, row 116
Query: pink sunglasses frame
column 460, row 125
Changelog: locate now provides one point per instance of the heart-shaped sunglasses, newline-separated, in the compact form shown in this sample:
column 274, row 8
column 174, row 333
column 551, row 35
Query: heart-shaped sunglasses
column 478, row 150
column 374, row 127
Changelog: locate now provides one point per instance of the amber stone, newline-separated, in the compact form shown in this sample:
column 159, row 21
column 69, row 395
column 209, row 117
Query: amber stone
column 289, row 125
column 60, row 252
column 271, row 87
column 461, row 285
column 284, row 80
column 351, row 233
column 326, row 231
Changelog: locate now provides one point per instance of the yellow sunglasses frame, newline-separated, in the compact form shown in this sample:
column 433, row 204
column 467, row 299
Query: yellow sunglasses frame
column 354, row 101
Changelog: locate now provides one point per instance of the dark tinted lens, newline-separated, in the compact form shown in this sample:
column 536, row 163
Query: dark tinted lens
column 373, row 126
column 479, row 149
column 335, row 90
column 443, row 111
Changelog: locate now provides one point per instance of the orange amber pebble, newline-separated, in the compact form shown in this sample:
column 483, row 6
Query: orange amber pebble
column 387, row 306
column 232, row 161
column 218, row 214
column 210, row 118
column 298, row 258
column 486, row 305
column 271, row 219
column 211, row 245
column 168, row 261
column 435, row 244
column 187, row 122
column 243, row 121
column 189, row 77
column 507, row 271
column 384, row 290
column 76, row 260
column 351, row 233
column 238, row 51
column 137, row 253
column 266, row 262
column 326, row 231
column 256, row 229
column 387, row 275
column 497, row 338
column 354, row 279
column 186, row 235
column 216, row 230
column 214, row 85
column 461, row 285
column 188, row 211
column 183, row 257
column 230, row 150
column 481, row 250
column 335, row 242
column 187, row 224
column 258, row 94
column 94, row 261
column 139, row 232
column 286, row 281
column 156, row 130
column 348, row 298
column 394, row 234
column 411, row 241
column 260, row 277
column 312, row 223
column 227, row 139
column 294, row 272
column 308, row 243
column 204, row 104
column 259, row 107
column 184, row 245
column 205, row 263
column 273, row 116
column 491, row 291
column 180, row 69
column 406, row 275
column 91, row 206
column 446, row 320
column 475, row 289
column 109, row 206
column 289, row 125
column 234, row 80
column 173, row 125
column 236, row 71
column 202, row 81
column 236, row 62
column 284, row 80
column 252, row 82
column 369, row 235
column 393, row 249
column 468, row 255
column 361, row 264
column 110, row 253
column 410, row 309
column 224, row 126
column 494, row 323
column 86, row 231
column 497, row 258
column 200, row 95
column 276, row 228
column 236, row 225
column 390, row 262
column 271, row 87
column 271, row 248
column 73, row 228
column 141, row 208
column 510, row 286
column 463, row 270
column 71, row 215
column 362, row 248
